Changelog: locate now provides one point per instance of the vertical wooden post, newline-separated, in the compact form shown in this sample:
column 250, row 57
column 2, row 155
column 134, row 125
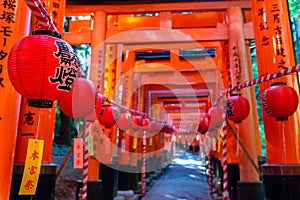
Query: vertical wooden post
column 239, row 73
column 12, row 30
column 274, row 50
column 129, row 59
column 97, row 74
column 239, row 69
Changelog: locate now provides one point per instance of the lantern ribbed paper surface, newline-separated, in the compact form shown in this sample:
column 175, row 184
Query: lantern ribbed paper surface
column 81, row 101
column 237, row 108
column 137, row 122
column 203, row 124
column 108, row 117
column 42, row 67
column 280, row 101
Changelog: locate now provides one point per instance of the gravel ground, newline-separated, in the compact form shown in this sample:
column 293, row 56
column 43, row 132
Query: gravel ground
column 65, row 187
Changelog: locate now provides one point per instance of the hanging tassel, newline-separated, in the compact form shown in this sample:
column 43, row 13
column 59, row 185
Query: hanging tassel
column 237, row 139
column 283, row 141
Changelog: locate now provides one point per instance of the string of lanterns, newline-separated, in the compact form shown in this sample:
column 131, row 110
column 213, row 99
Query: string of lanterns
column 237, row 107
column 43, row 83
column 58, row 80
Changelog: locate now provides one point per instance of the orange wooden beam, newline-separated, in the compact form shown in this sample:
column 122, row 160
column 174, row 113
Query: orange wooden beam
column 81, row 10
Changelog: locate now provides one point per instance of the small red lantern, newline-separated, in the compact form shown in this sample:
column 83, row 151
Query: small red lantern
column 81, row 101
column 137, row 122
column 99, row 109
column 108, row 116
column 280, row 101
column 203, row 124
column 216, row 117
column 124, row 121
column 237, row 108
column 146, row 123
column 42, row 67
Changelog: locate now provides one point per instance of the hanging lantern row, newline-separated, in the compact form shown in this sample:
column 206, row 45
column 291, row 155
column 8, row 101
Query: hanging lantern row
column 53, row 74
column 84, row 101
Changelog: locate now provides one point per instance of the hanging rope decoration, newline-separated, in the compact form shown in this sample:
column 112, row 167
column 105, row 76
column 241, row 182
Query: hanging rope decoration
column 225, row 173
column 44, row 19
column 264, row 78
column 41, row 14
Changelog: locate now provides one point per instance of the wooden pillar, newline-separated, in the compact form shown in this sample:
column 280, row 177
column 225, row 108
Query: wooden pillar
column 127, row 81
column 14, row 22
column 97, row 76
column 240, row 72
column 110, row 77
column 274, row 50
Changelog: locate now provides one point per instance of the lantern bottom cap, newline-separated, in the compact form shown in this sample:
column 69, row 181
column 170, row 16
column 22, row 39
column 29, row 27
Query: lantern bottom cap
column 282, row 118
column 40, row 103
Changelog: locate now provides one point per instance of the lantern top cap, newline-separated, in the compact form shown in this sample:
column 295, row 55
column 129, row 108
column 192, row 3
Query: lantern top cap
column 46, row 32
column 278, row 83
column 237, row 94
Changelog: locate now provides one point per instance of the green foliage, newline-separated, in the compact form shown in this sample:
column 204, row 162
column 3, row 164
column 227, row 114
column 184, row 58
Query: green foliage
column 257, row 97
column 294, row 8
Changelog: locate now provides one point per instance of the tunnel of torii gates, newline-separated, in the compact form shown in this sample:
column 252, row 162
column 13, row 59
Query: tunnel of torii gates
column 174, row 65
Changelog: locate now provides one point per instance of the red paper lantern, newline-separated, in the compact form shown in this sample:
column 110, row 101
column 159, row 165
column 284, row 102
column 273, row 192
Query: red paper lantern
column 137, row 122
column 99, row 109
column 124, row 121
column 280, row 101
column 216, row 117
column 203, row 124
column 42, row 67
column 81, row 101
column 237, row 108
column 108, row 117
column 146, row 123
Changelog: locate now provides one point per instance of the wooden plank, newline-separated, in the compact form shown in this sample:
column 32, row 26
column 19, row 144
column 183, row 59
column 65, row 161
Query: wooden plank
column 148, row 36
column 197, row 20
column 143, row 36
column 163, row 46
column 82, row 10
column 78, row 38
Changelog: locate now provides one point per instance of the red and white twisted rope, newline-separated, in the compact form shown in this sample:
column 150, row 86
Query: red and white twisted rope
column 41, row 14
column 85, row 160
column 144, row 165
column 209, row 174
column 225, row 178
column 264, row 78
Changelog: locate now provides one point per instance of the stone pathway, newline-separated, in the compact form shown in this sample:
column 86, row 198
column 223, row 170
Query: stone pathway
column 184, row 179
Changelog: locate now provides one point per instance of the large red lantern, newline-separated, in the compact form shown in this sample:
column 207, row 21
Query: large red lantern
column 42, row 67
column 108, row 117
column 216, row 116
column 237, row 108
column 124, row 121
column 203, row 124
column 81, row 101
column 280, row 101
